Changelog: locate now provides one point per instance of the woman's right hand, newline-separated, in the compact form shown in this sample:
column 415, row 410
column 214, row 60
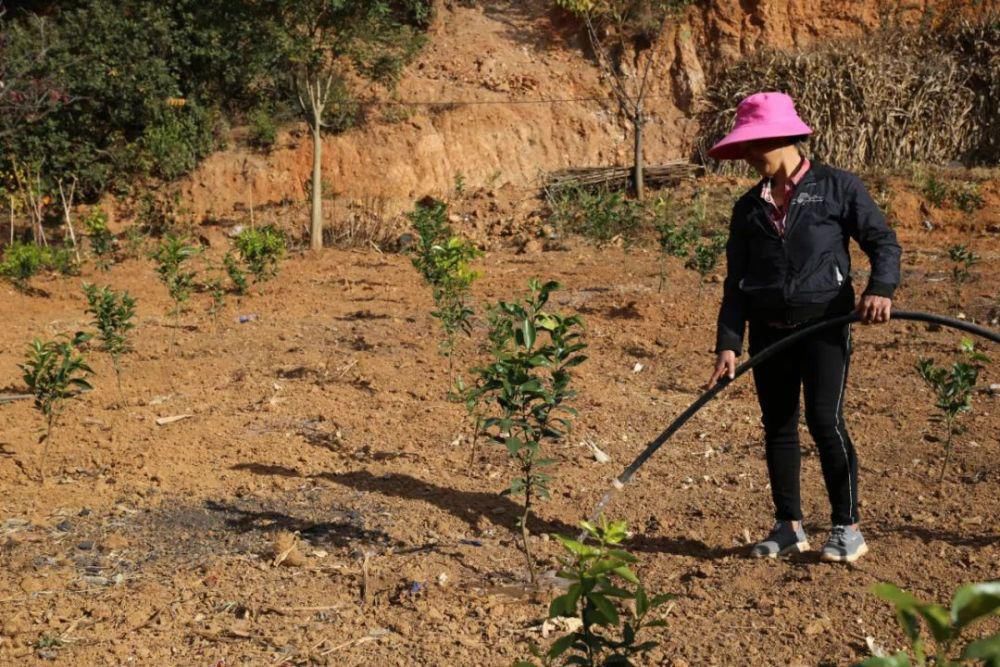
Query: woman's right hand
column 725, row 364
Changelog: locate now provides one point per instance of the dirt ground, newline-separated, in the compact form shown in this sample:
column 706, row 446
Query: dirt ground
column 325, row 415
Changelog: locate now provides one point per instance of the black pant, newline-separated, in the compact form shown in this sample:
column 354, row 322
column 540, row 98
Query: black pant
column 819, row 365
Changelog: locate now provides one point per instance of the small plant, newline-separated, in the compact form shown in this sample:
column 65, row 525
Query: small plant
column 963, row 260
column 21, row 262
column 601, row 583
column 706, row 255
column 459, row 184
column 971, row 603
column 261, row 249
column 443, row 260
column 102, row 241
column 527, row 387
column 62, row 260
column 113, row 317
column 235, row 273
column 674, row 240
column 218, row 294
column 952, row 390
column 935, row 191
column 171, row 258
column 53, row 372
column 967, row 198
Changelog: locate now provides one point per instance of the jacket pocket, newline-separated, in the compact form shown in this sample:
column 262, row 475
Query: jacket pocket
column 818, row 283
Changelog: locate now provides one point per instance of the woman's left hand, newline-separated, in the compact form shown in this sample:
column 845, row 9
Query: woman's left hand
column 874, row 309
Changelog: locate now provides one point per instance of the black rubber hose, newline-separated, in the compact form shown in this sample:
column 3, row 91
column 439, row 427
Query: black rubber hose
column 760, row 357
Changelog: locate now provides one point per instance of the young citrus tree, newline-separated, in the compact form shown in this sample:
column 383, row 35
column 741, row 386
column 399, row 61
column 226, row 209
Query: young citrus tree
column 54, row 371
column 526, row 389
column 952, row 390
column 113, row 317
column 171, row 257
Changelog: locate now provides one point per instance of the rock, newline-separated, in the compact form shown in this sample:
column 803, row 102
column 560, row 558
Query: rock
column 86, row 545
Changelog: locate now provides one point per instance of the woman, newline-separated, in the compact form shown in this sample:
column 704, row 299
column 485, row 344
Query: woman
column 788, row 266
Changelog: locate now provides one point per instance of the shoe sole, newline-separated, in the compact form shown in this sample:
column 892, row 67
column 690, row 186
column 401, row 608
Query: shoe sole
column 847, row 558
column 798, row 548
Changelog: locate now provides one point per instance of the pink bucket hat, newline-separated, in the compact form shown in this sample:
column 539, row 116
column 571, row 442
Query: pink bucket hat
column 760, row 116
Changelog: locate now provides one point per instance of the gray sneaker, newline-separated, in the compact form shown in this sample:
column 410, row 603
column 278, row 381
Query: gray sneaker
column 780, row 541
column 845, row 545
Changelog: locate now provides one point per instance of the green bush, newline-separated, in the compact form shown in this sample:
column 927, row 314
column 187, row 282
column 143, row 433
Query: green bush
column 102, row 241
column 263, row 131
column 62, row 260
column 261, row 249
column 21, row 261
column 600, row 214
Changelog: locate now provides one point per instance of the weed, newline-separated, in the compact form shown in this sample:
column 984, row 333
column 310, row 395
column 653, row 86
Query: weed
column 261, row 249
column 600, row 579
column 971, row 603
column 102, row 241
column 967, row 198
column 171, row 257
column 459, row 184
column 674, row 240
column 935, row 191
column 62, row 260
column 113, row 317
column 527, row 386
column 952, row 390
column 53, row 372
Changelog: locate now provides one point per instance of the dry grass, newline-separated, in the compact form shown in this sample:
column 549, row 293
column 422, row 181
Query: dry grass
column 892, row 98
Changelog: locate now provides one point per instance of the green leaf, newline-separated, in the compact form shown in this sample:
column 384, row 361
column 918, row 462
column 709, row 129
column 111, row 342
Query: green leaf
column 661, row 599
column 560, row 646
column 626, row 574
column 938, row 620
column 987, row 649
column 513, row 444
column 528, row 330
column 974, row 601
column 576, row 548
column 898, row 597
column 606, row 609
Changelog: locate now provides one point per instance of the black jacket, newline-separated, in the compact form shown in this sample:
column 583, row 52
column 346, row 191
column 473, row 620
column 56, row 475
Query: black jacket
column 805, row 274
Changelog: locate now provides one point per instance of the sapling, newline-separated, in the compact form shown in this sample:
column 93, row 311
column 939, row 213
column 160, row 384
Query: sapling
column 261, row 249
column 113, row 317
column 53, row 372
column 601, row 581
column 171, row 258
column 102, row 241
column 971, row 603
column 963, row 259
column 525, row 390
column 706, row 256
column 443, row 260
column 674, row 239
column 235, row 273
column 952, row 390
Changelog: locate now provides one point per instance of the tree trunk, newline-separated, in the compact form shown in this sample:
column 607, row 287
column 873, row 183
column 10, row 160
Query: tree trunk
column 637, row 121
column 316, row 219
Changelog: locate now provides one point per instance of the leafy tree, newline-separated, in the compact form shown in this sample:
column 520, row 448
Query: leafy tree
column 328, row 43
column 527, row 387
column 261, row 249
column 623, row 34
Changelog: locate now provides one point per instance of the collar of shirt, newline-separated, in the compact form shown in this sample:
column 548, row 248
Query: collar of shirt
column 778, row 213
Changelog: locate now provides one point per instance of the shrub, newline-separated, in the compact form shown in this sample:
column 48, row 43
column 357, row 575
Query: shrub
column 263, row 131
column 963, row 259
column 527, row 387
column 261, row 249
column 935, row 191
column 971, row 603
column 21, row 261
column 952, row 390
column 113, row 317
column 62, row 260
column 600, row 215
column 601, row 581
column 706, row 255
column 235, row 273
column 53, row 372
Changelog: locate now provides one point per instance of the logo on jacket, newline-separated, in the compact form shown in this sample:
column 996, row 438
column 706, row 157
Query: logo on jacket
column 806, row 198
